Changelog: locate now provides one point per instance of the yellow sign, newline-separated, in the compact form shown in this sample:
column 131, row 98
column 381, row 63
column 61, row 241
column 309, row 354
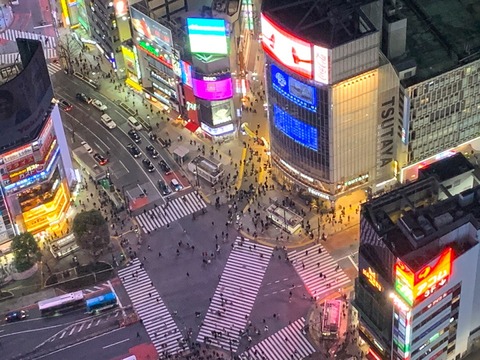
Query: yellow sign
column 372, row 278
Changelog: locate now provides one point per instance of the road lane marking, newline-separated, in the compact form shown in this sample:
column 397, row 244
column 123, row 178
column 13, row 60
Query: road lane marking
column 353, row 262
column 71, row 332
column 89, row 325
column 61, row 336
column 33, row 330
column 118, row 342
column 98, row 322
column 121, row 162
column 81, row 327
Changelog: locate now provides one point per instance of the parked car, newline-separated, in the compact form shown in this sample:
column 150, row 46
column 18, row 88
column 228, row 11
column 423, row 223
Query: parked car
column 134, row 150
column 98, row 105
column 84, row 98
column 152, row 152
column 102, row 160
column 87, row 147
column 148, row 165
column 164, row 166
column 64, row 105
column 164, row 189
column 134, row 136
column 16, row 316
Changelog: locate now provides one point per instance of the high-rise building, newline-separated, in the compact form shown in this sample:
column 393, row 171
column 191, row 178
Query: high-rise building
column 35, row 164
column 417, row 291
column 360, row 94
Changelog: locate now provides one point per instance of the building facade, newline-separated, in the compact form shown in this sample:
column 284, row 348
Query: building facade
column 35, row 164
column 417, row 289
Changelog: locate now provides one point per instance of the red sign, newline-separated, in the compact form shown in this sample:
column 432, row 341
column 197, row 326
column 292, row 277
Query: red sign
column 191, row 104
column 25, row 161
column 294, row 53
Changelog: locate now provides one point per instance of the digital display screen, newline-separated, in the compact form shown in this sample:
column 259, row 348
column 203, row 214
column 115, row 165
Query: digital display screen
column 295, row 129
column 186, row 73
column 213, row 88
column 294, row 53
column 321, row 64
column 151, row 29
column 207, row 36
column 221, row 112
column 301, row 94
column 217, row 131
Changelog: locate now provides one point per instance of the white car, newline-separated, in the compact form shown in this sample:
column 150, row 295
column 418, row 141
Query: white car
column 87, row 147
column 98, row 104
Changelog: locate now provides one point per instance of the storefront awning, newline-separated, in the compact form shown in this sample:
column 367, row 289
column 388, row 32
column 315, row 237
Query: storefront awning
column 192, row 126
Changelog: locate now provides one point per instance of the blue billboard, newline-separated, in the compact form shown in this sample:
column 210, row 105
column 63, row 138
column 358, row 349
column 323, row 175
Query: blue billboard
column 298, row 131
column 301, row 94
column 207, row 36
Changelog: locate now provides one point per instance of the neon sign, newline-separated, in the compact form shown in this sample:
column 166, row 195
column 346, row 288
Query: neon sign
column 372, row 278
column 414, row 287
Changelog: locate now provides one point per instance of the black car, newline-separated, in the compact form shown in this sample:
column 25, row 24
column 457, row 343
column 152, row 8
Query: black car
column 16, row 316
column 148, row 165
column 164, row 166
column 134, row 150
column 151, row 151
column 102, row 160
column 64, row 105
column 164, row 187
column 83, row 97
column 134, row 136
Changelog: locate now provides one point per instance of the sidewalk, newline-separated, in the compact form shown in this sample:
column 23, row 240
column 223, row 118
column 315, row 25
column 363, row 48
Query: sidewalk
column 6, row 15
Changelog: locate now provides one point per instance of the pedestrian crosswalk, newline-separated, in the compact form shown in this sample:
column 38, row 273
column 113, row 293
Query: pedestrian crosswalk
column 11, row 58
column 319, row 272
column 158, row 322
column 290, row 343
column 171, row 211
column 53, row 68
column 13, row 34
column 235, row 295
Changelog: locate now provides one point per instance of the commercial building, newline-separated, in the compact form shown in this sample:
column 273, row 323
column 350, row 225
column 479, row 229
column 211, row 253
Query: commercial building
column 417, row 291
column 35, row 164
column 360, row 95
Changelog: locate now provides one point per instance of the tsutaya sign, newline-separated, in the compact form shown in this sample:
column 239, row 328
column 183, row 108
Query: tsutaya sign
column 414, row 287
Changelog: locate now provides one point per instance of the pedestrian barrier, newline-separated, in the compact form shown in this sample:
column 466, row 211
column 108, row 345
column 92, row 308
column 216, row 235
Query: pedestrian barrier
column 127, row 108
column 86, row 80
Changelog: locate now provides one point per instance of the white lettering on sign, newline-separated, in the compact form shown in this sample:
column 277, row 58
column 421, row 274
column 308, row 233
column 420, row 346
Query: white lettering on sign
column 209, row 78
column 17, row 155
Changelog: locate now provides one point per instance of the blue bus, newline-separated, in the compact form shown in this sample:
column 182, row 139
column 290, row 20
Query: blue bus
column 100, row 303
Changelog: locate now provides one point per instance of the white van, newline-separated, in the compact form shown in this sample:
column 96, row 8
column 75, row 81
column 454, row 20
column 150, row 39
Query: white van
column 87, row 147
column 108, row 122
column 134, row 123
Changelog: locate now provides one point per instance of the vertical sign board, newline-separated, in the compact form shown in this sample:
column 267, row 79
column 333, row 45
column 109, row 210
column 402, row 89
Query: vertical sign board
column 386, row 130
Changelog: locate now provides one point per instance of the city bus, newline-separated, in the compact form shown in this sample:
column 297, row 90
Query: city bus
column 62, row 303
column 100, row 303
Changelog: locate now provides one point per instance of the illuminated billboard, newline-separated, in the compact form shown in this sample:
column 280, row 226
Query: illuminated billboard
column 294, row 53
column 301, row 94
column 121, row 8
column 207, row 36
column 151, row 29
column 415, row 287
column 321, row 64
column 213, row 87
column 26, row 99
column 295, row 129
column 186, row 73
column 219, row 112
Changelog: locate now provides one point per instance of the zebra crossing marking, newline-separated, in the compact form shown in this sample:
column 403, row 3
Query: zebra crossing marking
column 289, row 343
column 53, row 68
column 13, row 34
column 312, row 262
column 9, row 58
column 156, row 318
column 235, row 294
column 173, row 210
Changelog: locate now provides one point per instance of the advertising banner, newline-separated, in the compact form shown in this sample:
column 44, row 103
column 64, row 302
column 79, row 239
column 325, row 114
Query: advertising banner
column 301, row 94
column 121, row 8
column 222, row 130
column 213, row 87
column 191, row 105
column 25, row 161
column 321, row 64
column 151, row 29
column 186, row 73
column 207, row 36
column 222, row 111
column 300, row 132
column 25, row 100
column 294, row 53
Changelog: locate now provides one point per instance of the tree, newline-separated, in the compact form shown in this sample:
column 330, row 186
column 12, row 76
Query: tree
column 25, row 251
column 91, row 232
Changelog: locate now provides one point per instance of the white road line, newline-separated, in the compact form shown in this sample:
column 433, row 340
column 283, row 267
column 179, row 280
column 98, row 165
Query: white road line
column 61, row 336
column 118, row 342
column 71, row 332
column 81, row 327
column 353, row 262
column 121, row 162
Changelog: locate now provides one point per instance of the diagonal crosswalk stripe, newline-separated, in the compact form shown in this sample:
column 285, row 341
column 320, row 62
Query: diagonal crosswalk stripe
column 289, row 343
column 235, row 295
column 156, row 318
column 13, row 34
column 171, row 211
column 53, row 68
column 319, row 272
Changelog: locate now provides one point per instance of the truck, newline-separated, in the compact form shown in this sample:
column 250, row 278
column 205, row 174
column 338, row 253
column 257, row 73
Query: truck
column 108, row 122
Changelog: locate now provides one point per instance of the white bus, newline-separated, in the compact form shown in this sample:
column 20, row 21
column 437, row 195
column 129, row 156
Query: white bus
column 61, row 303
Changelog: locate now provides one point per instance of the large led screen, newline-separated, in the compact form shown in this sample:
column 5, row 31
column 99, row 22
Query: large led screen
column 295, row 129
column 213, row 88
column 207, row 36
column 301, row 94
column 151, row 29
column 292, row 52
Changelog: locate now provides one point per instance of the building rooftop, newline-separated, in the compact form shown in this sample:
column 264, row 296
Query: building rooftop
column 447, row 168
column 329, row 23
column 437, row 40
column 415, row 225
